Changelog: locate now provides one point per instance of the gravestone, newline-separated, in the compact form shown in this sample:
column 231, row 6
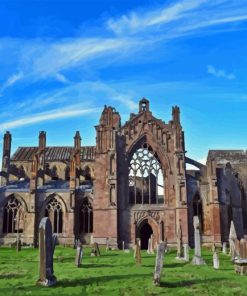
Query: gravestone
column 232, row 241
column 149, row 246
column 197, row 259
column 243, row 248
column 138, row 254
column 96, row 247
column 79, row 253
column 216, row 260
column 159, row 264
column 224, row 248
column 107, row 244
column 46, row 248
column 54, row 242
column 186, row 252
column 179, row 243
column 166, row 246
column 134, row 248
column 237, row 248
column 123, row 245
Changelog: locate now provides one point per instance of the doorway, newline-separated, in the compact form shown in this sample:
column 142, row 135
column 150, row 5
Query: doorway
column 145, row 232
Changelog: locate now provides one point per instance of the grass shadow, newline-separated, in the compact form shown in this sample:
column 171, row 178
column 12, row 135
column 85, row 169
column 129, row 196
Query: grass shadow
column 188, row 283
column 87, row 281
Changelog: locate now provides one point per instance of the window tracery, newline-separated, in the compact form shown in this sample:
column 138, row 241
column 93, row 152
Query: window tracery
column 86, row 217
column 12, row 215
column 54, row 211
column 146, row 185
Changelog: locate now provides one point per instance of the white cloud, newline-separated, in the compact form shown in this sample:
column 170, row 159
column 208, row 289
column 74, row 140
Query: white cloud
column 220, row 73
column 180, row 18
column 11, row 80
column 47, row 116
column 138, row 22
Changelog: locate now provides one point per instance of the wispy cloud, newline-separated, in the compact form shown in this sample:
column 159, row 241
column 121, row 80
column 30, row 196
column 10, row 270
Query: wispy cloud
column 139, row 22
column 47, row 116
column 180, row 18
column 220, row 73
column 11, row 80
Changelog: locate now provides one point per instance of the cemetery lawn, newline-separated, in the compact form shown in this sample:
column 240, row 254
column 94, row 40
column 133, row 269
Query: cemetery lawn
column 115, row 273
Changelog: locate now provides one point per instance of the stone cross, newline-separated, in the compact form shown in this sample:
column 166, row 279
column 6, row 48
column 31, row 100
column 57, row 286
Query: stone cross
column 224, row 248
column 197, row 259
column 46, row 276
column 216, row 260
column 79, row 253
column 96, row 247
column 138, row 254
column 179, row 243
column 159, row 264
column 186, row 252
column 232, row 241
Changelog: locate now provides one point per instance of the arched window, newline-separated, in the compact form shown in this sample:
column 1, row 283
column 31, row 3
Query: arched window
column 54, row 211
column 197, row 208
column 86, row 217
column 13, row 216
column 146, row 185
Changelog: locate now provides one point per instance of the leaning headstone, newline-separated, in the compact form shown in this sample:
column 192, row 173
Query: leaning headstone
column 232, row 241
column 216, row 260
column 186, row 252
column 96, row 247
column 224, row 248
column 138, row 254
column 197, row 259
column 79, row 253
column 159, row 264
column 46, row 276
column 179, row 243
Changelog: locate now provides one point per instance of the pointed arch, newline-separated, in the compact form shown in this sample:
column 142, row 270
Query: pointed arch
column 146, row 180
column 13, row 215
column 86, row 216
column 54, row 211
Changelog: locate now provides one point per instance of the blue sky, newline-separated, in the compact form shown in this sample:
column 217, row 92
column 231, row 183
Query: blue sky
column 62, row 61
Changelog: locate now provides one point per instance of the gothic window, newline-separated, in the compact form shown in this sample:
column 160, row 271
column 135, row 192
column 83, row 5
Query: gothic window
column 13, row 212
column 54, row 211
column 86, row 217
column 145, row 177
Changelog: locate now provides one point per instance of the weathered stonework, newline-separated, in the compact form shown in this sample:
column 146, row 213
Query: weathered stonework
column 132, row 184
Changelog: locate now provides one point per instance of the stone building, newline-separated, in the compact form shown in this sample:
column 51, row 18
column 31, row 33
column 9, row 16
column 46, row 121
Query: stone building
column 132, row 184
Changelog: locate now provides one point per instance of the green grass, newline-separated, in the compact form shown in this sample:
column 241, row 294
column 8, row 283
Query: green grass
column 115, row 273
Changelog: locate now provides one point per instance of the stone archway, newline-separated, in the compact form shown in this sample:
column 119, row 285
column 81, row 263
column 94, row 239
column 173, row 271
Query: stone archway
column 144, row 232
